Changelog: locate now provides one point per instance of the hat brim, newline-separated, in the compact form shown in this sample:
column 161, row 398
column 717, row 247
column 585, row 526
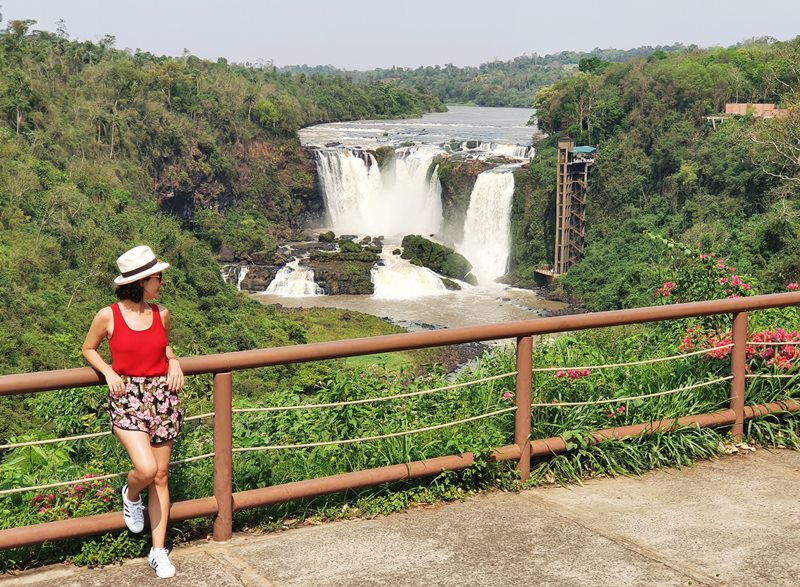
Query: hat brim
column 158, row 267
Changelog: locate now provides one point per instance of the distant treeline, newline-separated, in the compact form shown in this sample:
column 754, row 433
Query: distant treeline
column 495, row 83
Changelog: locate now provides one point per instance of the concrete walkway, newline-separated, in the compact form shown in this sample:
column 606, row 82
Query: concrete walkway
column 731, row 521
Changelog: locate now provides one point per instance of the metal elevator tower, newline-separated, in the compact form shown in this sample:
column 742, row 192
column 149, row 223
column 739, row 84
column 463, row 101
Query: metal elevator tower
column 572, row 183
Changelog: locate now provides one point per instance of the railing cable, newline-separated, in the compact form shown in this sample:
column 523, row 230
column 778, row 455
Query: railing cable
column 93, row 479
column 631, row 363
column 631, row 398
column 369, row 438
column 374, row 399
column 81, row 436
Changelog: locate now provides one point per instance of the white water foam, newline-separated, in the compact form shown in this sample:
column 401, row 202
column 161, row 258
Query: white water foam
column 398, row 279
column 294, row 281
column 487, row 228
column 404, row 198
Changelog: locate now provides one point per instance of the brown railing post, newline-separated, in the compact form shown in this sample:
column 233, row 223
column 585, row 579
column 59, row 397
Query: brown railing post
column 223, row 456
column 738, row 371
column 522, row 421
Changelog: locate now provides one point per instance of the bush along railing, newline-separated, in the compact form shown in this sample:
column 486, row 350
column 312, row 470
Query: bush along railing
column 593, row 390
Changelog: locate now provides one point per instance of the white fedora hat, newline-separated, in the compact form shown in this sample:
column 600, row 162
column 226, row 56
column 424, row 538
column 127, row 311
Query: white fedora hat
column 137, row 263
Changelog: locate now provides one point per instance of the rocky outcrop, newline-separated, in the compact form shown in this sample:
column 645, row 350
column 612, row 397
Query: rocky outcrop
column 457, row 178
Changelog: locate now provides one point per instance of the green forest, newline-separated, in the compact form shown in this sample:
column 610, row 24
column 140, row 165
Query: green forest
column 729, row 188
column 495, row 83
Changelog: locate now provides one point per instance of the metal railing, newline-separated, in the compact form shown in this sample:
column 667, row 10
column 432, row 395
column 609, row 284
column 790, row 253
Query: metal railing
column 224, row 502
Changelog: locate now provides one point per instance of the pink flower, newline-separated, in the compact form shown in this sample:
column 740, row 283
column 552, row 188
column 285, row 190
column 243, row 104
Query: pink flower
column 621, row 410
column 665, row 289
column 736, row 281
column 723, row 280
column 793, row 285
column 508, row 395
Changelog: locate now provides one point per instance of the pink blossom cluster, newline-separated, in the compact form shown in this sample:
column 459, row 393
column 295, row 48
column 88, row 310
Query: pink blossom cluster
column 793, row 285
column 572, row 373
column 732, row 281
column 508, row 396
column 67, row 500
column 716, row 342
column 785, row 356
column 613, row 414
column 665, row 289
column 782, row 356
column 704, row 280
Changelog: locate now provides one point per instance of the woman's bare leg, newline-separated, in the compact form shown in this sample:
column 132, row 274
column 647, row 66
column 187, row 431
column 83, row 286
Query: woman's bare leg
column 145, row 465
column 158, row 495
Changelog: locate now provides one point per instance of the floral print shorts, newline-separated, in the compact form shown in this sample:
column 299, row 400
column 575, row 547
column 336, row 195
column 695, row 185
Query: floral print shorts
column 147, row 406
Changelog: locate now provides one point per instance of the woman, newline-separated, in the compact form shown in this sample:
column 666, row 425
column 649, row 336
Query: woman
column 143, row 380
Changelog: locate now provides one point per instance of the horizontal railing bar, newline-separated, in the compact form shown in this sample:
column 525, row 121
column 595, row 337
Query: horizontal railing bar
column 359, row 479
column 207, row 506
column 83, row 377
column 96, row 524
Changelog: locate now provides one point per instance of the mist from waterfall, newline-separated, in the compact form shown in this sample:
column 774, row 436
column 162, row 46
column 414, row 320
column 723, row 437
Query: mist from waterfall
column 360, row 198
column 487, row 228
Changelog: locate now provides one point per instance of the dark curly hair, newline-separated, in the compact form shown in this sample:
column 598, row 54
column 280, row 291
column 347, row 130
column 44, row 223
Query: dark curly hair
column 130, row 291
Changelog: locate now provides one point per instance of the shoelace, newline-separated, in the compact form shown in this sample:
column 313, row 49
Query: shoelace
column 137, row 511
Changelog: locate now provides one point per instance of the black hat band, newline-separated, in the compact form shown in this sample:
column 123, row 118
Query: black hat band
column 144, row 267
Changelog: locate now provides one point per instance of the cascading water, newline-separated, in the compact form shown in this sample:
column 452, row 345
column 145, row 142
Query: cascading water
column 398, row 279
column 243, row 271
column 402, row 199
column 293, row 281
column 487, row 228
column 483, row 150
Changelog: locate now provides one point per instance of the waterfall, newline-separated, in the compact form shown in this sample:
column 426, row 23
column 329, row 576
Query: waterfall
column 234, row 274
column 404, row 198
column 398, row 279
column 487, row 228
column 293, row 281
column 483, row 150
column 243, row 271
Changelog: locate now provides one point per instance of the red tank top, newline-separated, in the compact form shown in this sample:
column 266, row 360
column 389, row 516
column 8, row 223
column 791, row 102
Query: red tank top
column 138, row 353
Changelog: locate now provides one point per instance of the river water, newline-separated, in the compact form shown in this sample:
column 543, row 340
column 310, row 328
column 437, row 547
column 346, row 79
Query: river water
column 459, row 123
column 404, row 293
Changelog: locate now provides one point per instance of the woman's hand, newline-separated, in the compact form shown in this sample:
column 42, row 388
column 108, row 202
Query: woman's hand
column 174, row 375
column 116, row 384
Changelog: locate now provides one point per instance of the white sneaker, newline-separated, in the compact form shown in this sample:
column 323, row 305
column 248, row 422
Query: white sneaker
column 133, row 512
column 159, row 562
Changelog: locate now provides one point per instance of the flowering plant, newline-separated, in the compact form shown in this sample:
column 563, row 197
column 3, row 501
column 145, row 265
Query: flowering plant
column 572, row 374
column 75, row 500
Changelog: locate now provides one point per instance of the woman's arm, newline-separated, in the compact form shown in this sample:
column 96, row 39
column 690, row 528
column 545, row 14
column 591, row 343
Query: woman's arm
column 97, row 332
column 174, row 372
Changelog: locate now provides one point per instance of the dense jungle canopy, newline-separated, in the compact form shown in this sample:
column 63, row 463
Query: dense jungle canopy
column 727, row 187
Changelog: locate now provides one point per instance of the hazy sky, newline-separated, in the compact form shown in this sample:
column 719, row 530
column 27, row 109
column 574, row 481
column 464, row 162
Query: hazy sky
column 409, row 33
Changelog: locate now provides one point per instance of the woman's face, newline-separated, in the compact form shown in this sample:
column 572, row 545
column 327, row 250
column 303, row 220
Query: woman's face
column 152, row 285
